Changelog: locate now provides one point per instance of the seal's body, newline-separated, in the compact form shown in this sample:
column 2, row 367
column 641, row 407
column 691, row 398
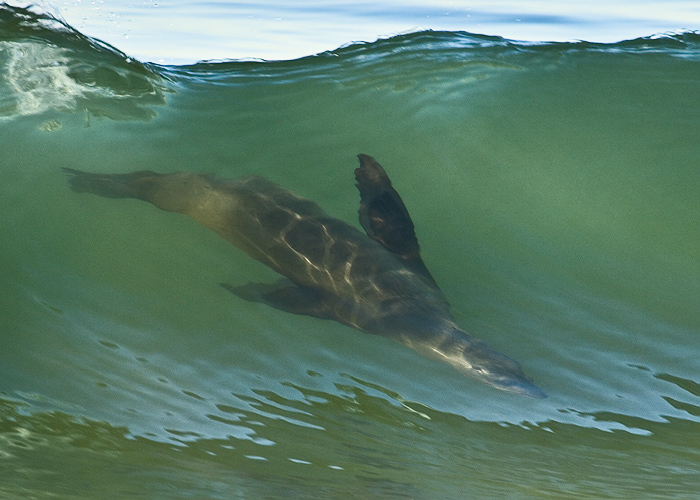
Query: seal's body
column 376, row 282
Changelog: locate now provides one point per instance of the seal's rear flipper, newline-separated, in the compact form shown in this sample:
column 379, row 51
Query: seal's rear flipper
column 385, row 218
column 132, row 185
column 285, row 296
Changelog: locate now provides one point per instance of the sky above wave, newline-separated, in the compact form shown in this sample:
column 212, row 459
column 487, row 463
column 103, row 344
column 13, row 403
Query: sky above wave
column 182, row 31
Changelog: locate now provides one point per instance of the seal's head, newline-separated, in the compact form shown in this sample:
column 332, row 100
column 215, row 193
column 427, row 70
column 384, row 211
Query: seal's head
column 485, row 363
column 476, row 359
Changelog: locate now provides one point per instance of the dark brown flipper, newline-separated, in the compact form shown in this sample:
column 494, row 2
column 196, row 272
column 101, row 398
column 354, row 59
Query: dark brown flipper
column 133, row 185
column 384, row 216
column 285, row 296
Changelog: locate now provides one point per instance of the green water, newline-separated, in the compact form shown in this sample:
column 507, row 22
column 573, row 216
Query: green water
column 554, row 190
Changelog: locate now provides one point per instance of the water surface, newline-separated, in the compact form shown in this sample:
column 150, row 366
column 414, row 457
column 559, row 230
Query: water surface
column 187, row 31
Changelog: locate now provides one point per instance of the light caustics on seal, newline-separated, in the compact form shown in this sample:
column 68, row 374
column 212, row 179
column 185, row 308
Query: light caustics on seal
column 376, row 282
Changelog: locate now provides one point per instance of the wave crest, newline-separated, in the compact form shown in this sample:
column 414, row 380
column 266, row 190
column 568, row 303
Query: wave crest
column 47, row 65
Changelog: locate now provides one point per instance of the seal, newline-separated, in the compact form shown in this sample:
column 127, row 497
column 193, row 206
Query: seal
column 375, row 282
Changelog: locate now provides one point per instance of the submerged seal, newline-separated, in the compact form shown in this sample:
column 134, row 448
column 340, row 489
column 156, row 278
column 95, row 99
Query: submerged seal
column 376, row 282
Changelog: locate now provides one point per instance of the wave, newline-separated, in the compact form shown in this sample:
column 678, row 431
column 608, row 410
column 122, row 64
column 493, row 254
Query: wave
column 554, row 187
column 47, row 65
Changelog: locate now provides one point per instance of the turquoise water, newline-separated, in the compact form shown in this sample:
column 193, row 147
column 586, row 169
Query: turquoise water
column 554, row 192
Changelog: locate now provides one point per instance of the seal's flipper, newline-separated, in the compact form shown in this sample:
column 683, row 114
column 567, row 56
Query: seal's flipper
column 382, row 213
column 384, row 216
column 285, row 296
column 132, row 185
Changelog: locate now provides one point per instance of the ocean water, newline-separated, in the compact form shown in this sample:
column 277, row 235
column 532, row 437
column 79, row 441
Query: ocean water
column 554, row 188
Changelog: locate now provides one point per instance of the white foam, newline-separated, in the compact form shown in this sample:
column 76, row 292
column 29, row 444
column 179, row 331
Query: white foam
column 37, row 78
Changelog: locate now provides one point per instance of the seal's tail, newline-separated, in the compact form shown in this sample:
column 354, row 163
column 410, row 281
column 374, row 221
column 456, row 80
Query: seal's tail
column 132, row 185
